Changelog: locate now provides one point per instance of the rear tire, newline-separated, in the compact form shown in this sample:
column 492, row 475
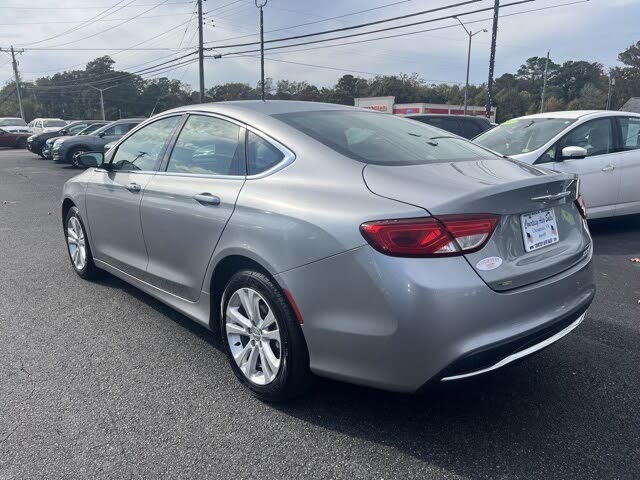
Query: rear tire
column 78, row 246
column 264, row 344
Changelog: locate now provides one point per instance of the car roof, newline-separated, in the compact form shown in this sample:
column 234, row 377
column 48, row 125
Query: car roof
column 446, row 115
column 576, row 114
column 267, row 107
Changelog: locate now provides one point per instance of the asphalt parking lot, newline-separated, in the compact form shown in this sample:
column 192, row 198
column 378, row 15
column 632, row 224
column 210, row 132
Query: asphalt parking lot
column 99, row 380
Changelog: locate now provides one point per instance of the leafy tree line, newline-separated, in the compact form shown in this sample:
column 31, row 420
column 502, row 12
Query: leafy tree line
column 571, row 85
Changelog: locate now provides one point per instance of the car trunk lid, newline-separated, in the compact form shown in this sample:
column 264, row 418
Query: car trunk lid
column 502, row 187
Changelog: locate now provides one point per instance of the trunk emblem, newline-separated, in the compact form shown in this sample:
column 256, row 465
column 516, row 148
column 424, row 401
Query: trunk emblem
column 548, row 198
column 489, row 263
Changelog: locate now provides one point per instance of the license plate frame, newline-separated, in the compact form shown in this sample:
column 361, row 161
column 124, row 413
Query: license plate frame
column 539, row 229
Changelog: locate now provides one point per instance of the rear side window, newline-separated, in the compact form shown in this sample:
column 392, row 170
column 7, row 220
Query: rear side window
column 630, row 127
column 261, row 155
column 383, row 139
column 208, row 146
column 448, row 124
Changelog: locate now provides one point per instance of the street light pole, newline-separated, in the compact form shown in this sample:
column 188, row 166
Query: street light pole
column 470, row 34
column 612, row 82
column 260, row 4
column 200, row 52
column 102, row 98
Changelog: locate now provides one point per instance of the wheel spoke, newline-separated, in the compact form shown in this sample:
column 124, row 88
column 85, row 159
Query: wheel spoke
column 268, row 320
column 235, row 315
column 242, row 355
column 71, row 241
column 245, row 298
column 249, row 368
column 272, row 361
column 234, row 328
column 72, row 233
column 271, row 335
column 267, row 370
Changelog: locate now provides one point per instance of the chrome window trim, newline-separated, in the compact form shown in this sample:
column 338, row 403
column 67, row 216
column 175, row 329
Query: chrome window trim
column 288, row 159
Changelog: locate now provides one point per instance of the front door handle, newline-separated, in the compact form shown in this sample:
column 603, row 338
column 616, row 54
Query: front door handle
column 608, row 168
column 133, row 187
column 207, row 198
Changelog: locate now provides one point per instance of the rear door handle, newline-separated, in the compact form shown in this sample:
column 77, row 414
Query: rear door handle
column 207, row 199
column 133, row 187
column 608, row 168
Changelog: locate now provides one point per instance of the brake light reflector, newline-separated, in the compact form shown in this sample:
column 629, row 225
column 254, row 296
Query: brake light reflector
column 441, row 236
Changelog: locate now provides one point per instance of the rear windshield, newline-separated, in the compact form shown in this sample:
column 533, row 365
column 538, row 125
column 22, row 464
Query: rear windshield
column 522, row 135
column 12, row 122
column 382, row 139
column 54, row 123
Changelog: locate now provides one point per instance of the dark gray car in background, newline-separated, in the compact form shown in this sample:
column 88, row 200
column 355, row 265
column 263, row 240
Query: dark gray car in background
column 36, row 143
column 66, row 149
column 324, row 239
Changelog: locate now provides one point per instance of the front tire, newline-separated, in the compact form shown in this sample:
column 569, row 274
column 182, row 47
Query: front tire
column 263, row 339
column 73, row 154
column 78, row 246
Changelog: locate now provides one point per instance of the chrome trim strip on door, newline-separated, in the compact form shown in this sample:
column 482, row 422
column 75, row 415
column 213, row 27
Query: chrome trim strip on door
column 522, row 353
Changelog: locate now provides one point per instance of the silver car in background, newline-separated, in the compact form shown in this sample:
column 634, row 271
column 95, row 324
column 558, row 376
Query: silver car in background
column 601, row 147
column 324, row 239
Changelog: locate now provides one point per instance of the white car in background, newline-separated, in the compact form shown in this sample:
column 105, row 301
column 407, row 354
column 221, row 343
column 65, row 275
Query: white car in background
column 42, row 125
column 14, row 125
column 601, row 147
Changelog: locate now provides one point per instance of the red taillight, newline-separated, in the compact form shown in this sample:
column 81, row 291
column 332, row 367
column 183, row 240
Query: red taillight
column 582, row 207
column 445, row 235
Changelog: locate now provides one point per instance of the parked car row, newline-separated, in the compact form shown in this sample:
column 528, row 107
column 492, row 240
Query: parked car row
column 64, row 144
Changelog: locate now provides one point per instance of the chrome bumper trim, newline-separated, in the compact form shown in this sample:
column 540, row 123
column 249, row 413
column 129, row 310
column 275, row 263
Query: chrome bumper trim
column 522, row 353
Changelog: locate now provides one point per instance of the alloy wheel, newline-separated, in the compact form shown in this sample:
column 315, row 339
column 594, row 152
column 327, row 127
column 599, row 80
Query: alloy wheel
column 76, row 243
column 254, row 336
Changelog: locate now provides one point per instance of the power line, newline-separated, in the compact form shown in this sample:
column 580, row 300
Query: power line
column 99, row 20
column 376, row 31
column 83, row 24
column 94, row 7
column 112, row 27
column 361, row 25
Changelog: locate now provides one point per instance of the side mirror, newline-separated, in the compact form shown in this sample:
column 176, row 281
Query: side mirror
column 572, row 153
column 107, row 147
column 91, row 159
column 101, row 134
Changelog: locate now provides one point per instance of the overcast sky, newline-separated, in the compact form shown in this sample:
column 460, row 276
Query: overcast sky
column 595, row 30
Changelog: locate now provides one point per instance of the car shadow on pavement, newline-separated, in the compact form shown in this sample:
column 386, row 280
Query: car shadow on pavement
column 625, row 230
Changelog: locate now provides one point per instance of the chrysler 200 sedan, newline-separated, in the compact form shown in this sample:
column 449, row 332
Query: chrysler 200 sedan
column 328, row 240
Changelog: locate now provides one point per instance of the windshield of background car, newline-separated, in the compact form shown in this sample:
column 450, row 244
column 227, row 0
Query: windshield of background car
column 12, row 122
column 54, row 123
column 90, row 129
column 522, row 135
column 382, row 139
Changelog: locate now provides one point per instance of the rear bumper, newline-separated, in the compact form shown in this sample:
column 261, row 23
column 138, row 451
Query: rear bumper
column 397, row 323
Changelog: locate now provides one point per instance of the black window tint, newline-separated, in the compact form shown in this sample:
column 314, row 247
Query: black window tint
column 143, row 150
column 448, row 124
column 210, row 146
column 470, row 128
column 596, row 137
column 261, row 155
column 630, row 127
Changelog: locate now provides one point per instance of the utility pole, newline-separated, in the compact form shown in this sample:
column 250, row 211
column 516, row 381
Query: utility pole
column 101, row 97
column 544, row 83
column 466, row 84
column 200, row 51
column 16, row 76
column 612, row 83
column 492, row 57
column 260, row 4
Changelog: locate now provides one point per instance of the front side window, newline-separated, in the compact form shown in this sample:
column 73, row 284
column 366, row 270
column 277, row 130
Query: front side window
column 522, row 135
column 596, row 137
column 143, row 150
column 261, row 155
column 90, row 129
column 75, row 129
column 630, row 127
column 208, row 146
column 382, row 139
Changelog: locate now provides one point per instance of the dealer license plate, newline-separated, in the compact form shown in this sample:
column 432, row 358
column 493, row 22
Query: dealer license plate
column 539, row 229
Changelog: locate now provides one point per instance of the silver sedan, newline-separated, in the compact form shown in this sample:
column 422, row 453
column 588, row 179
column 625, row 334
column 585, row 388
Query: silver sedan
column 327, row 240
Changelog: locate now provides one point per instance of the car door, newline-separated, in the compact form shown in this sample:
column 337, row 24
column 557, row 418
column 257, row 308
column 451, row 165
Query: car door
column 5, row 139
column 186, row 207
column 113, row 196
column 599, row 171
column 629, row 166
